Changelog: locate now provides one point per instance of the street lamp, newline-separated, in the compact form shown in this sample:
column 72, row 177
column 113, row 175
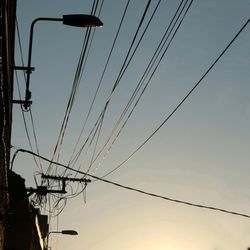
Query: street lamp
column 76, row 20
column 67, row 232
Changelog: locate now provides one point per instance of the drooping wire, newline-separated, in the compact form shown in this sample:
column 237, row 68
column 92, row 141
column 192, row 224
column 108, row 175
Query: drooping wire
column 53, row 199
column 95, row 146
column 127, row 60
column 183, row 202
column 182, row 101
column 78, row 74
column 88, row 140
column 71, row 100
column 144, row 77
column 100, row 81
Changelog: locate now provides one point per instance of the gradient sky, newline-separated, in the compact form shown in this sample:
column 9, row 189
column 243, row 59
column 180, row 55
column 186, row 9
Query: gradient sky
column 200, row 155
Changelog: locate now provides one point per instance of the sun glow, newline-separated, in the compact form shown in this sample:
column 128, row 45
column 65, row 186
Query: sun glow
column 162, row 242
column 167, row 247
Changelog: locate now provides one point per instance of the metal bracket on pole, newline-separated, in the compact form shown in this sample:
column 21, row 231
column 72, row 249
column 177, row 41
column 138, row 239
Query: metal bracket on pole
column 27, row 69
column 22, row 102
column 43, row 190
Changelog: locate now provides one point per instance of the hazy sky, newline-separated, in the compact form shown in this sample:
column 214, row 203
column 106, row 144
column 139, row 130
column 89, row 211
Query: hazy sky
column 200, row 155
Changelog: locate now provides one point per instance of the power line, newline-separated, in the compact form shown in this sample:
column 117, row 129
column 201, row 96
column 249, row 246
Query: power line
column 148, row 69
column 187, row 203
column 77, row 78
column 182, row 101
column 127, row 59
column 129, row 56
column 71, row 100
column 101, row 79
column 126, row 62
column 125, row 66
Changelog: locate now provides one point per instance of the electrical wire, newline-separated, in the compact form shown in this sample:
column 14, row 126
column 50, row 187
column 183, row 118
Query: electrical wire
column 153, row 60
column 101, row 116
column 128, row 58
column 71, row 100
column 183, row 202
column 52, row 200
column 80, row 67
column 91, row 106
column 100, row 81
column 182, row 101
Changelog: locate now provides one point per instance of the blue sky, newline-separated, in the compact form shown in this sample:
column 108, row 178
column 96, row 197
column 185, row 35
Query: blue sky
column 200, row 155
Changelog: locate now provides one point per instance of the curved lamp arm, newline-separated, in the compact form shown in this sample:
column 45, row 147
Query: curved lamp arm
column 76, row 20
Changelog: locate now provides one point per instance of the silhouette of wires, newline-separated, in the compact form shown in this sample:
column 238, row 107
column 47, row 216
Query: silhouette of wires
column 128, row 58
column 159, row 53
column 182, row 101
column 183, row 202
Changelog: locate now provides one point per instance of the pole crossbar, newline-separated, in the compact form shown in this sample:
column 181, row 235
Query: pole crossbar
column 59, row 178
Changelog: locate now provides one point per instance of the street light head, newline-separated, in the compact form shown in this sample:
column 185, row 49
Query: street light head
column 82, row 20
column 69, row 232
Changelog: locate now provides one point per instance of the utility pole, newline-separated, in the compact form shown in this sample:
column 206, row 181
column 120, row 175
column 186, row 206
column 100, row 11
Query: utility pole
column 43, row 190
column 64, row 180
column 7, row 33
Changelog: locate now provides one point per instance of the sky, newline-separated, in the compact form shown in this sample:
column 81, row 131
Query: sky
column 200, row 155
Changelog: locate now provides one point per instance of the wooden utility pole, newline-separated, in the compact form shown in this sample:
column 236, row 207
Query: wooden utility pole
column 7, row 33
